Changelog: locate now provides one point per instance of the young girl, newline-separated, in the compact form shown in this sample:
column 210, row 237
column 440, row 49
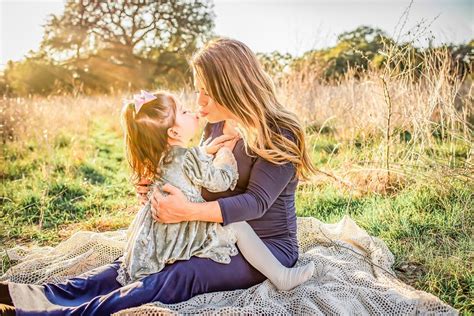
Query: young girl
column 157, row 130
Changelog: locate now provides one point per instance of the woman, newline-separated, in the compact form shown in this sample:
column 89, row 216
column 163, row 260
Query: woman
column 271, row 157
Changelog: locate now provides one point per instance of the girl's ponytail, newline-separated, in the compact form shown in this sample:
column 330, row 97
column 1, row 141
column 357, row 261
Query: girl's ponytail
column 145, row 133
column 129, row 127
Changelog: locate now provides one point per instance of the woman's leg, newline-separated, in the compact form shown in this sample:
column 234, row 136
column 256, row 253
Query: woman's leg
column 175, row 283
column 259, row 256
column 62, row 298
column 184, row 279
column 93, row 283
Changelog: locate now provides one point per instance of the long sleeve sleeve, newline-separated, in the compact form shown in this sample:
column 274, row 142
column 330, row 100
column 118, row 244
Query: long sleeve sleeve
column 267, row 181
column 216, row 174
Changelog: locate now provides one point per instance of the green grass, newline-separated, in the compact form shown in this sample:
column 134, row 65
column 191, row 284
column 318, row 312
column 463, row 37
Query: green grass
column 76, row 182
column 430, row 233
column 49, row 193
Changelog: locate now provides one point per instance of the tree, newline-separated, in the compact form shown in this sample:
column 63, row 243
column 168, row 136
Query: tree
column 275, row 63
column 463, row 58
column 130, row 36
column 356, row 50
column 136, row 25
column 36, row 75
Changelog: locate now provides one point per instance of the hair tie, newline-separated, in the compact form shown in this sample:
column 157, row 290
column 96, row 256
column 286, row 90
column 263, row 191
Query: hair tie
column 142, row 98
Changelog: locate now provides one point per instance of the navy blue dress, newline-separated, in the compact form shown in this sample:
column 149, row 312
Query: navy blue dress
column 264, row 197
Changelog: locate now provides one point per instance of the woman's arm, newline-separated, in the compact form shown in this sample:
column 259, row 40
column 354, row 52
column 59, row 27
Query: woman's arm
column 175, row 208
column 266, row 183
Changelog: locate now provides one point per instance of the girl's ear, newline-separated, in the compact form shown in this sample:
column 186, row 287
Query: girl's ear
column 172, row 133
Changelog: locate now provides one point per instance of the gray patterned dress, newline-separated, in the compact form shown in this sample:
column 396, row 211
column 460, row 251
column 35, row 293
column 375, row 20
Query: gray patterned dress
column 151, row 245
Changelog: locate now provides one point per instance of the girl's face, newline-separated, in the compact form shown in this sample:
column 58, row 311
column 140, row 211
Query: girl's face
column 186, row 124
column 208, row 108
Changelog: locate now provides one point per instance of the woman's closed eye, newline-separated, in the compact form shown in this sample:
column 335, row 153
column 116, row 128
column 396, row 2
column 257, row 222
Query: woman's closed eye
column 204, row 92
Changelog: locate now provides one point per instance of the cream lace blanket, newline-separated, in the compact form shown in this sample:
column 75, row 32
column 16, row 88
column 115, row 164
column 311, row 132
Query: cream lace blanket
column 353, row 276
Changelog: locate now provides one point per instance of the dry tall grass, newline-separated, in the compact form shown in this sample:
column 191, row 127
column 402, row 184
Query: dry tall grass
column 438, row 98
column 402, row 120
column 41, row 119
column 412, row 111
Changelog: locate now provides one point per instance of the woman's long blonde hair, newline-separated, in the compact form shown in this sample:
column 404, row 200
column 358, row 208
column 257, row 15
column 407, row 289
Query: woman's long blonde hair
column 146, row 134
column 232, row 75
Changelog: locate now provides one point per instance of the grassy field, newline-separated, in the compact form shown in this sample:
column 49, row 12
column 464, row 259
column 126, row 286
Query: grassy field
column 63, row 170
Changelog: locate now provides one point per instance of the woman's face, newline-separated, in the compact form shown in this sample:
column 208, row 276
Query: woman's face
column 209, row 108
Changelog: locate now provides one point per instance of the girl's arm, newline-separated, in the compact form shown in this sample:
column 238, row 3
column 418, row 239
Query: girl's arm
column 215, row 173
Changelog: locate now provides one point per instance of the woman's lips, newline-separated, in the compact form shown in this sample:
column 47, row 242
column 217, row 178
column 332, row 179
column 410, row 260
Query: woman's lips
column 202, row 114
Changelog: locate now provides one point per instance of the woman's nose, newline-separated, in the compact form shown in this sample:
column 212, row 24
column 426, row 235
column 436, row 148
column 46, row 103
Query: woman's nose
column 201, row 102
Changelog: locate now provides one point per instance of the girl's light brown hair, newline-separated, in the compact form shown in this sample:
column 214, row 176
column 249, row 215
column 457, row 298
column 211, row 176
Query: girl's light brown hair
column 232, row 76
column 146, row 137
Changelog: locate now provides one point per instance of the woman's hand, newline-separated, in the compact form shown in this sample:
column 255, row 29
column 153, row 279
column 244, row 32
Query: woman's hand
column 173, row 208
column 217, row 143
column 142, row 188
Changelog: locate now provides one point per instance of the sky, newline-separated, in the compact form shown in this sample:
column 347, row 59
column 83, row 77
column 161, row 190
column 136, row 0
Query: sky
column 288, row 26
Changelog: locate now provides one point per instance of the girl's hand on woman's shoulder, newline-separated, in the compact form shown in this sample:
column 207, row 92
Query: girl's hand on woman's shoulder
column 217, row 143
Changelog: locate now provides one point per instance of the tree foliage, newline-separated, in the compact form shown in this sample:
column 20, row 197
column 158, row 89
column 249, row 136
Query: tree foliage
column 103, row 46
column 35, row 75
column 369, row 48
column 137, row 26
column 106, row 46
